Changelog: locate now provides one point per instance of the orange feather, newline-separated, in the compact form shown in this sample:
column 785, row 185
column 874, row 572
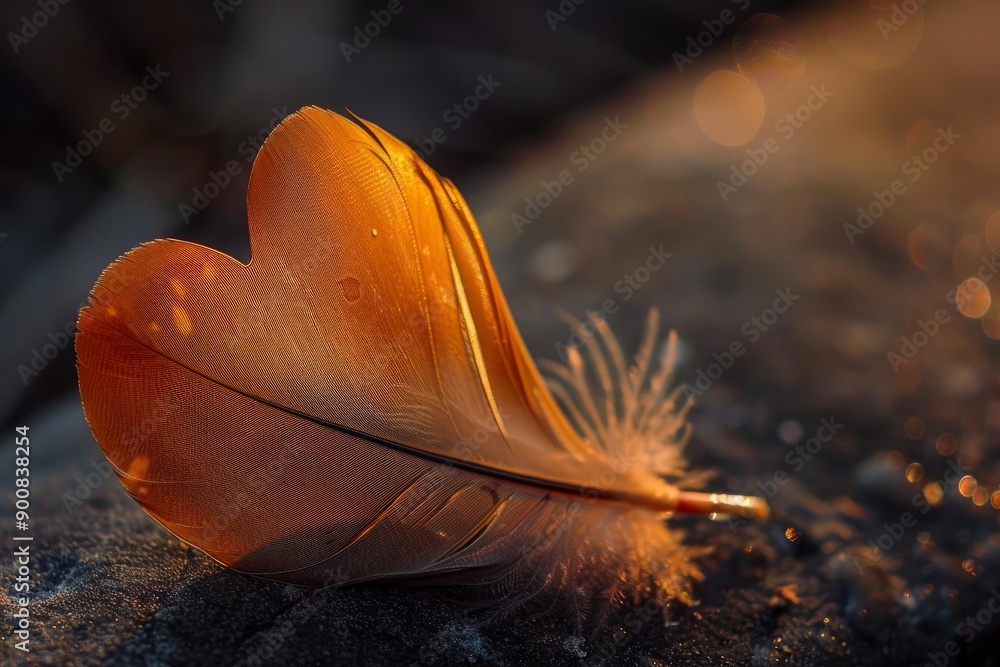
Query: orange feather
column 357, row 404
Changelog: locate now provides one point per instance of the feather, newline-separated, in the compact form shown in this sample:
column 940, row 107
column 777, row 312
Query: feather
column 356, row 403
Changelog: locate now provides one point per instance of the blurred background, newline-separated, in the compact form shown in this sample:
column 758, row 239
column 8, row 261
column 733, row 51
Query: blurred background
column 823, row 176
column 231, row 70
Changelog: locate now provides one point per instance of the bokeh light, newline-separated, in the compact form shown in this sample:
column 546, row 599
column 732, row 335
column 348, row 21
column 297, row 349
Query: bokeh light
column 914, row 428
column 991, row 322
column 729, row 108
column 972, row 298
column 967, row 485
column 894, row 460
column 946, row 444
column 553, row 262
column 934, row 493
column 914, row 472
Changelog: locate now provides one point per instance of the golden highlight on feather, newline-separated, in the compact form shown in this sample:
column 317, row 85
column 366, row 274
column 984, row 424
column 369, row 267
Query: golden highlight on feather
column 354, row 406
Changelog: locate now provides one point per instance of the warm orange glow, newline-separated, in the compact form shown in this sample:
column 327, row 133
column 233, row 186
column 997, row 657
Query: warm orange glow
column 933, row 493
column 894, row 460
column 991, row 322
column 178, row 288
column 182, row 320
column 967, row 485
column 914, row 428
column 729, row 108
column 973, row 298
column 914, row 472
column 946, row 444
column 255, row 356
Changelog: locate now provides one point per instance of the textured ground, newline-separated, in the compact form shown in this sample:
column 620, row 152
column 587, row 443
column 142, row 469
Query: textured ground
column 806, row 589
